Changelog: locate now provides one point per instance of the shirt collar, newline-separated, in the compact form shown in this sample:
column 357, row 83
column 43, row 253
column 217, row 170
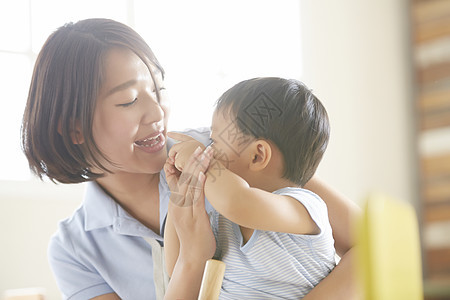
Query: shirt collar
column 102, row 211
column 99, row 208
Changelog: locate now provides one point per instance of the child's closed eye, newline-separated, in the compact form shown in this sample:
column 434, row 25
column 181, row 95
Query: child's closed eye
column 211, row 142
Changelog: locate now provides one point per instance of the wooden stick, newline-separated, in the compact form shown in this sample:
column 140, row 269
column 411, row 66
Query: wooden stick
column 212, row 280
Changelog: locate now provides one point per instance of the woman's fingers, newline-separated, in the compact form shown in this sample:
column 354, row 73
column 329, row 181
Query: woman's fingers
column 188, row 187
column 177, row 183
column 198, row 163
column 183, row 188
column 198, row 206
column 190, row 171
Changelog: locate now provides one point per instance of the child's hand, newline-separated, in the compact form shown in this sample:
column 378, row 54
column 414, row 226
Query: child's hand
column 180, row 152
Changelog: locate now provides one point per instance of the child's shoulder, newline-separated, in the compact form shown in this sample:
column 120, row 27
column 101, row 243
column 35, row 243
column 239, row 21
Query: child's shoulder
column 299, row 193
column 311, row 201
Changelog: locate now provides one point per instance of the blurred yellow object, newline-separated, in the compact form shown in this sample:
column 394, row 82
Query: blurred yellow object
column 388, row 252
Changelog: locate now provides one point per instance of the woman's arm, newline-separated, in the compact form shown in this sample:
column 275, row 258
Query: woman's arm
column 191, row 223
column 171, row 245
column 341, row 282
column 186, row 280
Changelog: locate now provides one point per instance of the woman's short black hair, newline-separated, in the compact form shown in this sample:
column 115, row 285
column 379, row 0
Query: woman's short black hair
column 285, row 112
column 64, row 88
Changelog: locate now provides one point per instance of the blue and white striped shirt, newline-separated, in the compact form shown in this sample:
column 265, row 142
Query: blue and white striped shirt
column 274, row 265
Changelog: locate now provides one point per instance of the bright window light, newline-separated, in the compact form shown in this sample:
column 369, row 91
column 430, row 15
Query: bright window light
column 204, row 46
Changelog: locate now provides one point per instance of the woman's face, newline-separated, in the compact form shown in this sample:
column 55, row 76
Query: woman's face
column 130, row 123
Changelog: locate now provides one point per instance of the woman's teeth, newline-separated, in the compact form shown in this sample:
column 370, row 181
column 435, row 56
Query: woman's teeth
column 150, row 142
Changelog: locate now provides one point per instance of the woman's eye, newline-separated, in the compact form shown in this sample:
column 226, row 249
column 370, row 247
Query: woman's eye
column 128, row 103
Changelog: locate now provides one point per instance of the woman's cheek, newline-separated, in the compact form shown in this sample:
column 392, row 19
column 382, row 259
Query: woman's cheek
column 164, row 102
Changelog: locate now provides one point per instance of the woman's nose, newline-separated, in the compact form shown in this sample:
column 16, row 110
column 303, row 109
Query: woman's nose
column 153, row 111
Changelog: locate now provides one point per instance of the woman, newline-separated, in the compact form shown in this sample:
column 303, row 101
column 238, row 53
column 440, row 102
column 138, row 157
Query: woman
column 97, row 113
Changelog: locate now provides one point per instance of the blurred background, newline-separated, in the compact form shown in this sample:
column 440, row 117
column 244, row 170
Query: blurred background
column 381, row 68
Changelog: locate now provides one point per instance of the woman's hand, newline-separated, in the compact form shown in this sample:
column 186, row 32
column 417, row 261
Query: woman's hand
column 187, row 207
column 191, row 222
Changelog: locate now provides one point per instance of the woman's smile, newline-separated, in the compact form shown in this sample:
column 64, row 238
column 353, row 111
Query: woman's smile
column 152, row 143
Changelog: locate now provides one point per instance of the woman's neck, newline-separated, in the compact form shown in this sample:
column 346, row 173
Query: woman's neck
column 138, row 194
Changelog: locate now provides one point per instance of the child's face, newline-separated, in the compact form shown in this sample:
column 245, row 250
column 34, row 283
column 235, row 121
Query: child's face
column 230, row 144
column 129, row 122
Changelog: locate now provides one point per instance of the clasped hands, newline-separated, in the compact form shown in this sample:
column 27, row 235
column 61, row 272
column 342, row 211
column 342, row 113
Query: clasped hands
column 185, row 170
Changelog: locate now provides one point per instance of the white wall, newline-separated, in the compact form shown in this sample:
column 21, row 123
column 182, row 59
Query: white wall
column 29, row 213
column 355, row 57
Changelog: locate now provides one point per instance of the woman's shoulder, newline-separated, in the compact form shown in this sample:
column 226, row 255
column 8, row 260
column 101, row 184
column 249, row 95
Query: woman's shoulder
column 95, row 211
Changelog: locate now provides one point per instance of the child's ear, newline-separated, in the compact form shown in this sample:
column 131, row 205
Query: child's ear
column 261, row 155
column 76, row 135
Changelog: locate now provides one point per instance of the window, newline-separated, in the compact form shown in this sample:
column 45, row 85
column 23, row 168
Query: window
column 204, row 46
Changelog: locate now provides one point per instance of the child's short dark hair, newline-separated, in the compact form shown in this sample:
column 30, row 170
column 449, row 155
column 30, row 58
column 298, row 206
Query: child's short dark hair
column 285, row 112
column 64, row 88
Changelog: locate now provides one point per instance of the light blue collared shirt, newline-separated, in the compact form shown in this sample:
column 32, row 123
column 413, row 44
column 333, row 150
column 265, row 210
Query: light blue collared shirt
column 100, row 249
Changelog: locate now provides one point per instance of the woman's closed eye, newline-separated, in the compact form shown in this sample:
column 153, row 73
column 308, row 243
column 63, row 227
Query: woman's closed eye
column 135, row 99
column 128, row 103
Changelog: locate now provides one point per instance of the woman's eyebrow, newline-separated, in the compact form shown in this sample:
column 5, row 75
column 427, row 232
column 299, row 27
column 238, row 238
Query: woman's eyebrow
column 122, row 86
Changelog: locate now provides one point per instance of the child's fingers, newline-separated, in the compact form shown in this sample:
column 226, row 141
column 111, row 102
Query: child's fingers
column 172, row 181
column 172, row 153
column 179, row 136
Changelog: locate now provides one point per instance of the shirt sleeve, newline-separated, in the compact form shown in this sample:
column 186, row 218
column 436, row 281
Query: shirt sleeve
column 315, row 206
column 74, row 280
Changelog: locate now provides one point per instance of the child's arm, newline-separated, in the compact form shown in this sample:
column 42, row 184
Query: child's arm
column 249, row 207
column 253, row 208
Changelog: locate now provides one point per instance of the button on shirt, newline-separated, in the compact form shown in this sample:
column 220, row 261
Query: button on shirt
column 101, row 248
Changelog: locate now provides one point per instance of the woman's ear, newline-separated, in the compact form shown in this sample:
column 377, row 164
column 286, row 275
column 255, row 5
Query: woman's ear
column 76, row 135
column 261, row 155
